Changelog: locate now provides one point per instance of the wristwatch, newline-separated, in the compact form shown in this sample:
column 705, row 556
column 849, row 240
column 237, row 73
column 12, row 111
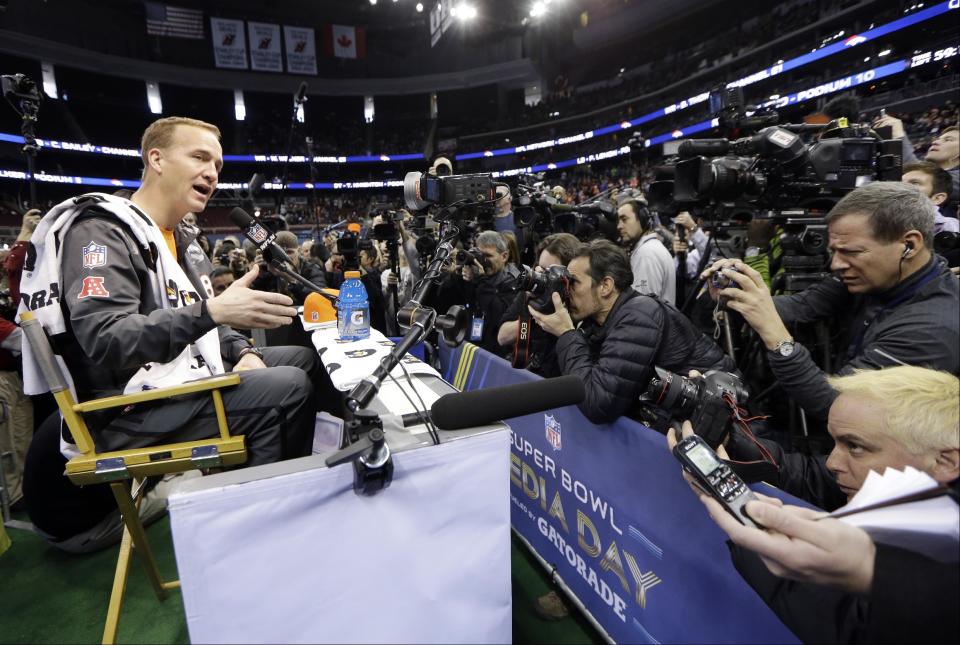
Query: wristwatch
column 250, row 350
column 785, row 347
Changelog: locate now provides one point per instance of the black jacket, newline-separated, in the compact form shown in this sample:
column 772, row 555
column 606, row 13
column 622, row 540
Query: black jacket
column 488, row 296
column 917, row 323
column 615, row 360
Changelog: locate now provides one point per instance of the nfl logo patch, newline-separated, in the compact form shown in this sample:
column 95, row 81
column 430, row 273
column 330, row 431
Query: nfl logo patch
column 552, row 429
column 94, row 255
column 258, row 234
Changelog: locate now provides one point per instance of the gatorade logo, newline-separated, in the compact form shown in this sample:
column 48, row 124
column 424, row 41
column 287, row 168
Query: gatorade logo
column 356, row 317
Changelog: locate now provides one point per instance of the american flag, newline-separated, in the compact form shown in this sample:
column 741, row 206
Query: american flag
column 176, row 22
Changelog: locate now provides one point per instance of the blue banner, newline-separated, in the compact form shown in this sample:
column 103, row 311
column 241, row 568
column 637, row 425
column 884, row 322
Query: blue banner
column 607, row 506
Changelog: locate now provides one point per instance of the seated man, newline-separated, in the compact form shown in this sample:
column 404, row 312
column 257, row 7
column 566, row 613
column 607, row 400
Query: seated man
column 890, row 418
column 897, row 299
column 623, row 334
column 131, row 313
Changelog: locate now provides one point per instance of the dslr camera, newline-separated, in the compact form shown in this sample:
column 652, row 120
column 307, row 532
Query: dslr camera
column 707, row 401
column 542, row 285
column 465, row 257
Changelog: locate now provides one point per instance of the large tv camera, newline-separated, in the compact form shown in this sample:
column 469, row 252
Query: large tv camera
column 422, row 190
column 542, row 209
column 709, row 401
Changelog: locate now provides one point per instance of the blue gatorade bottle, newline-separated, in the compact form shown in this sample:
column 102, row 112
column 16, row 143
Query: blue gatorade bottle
column 353, row 309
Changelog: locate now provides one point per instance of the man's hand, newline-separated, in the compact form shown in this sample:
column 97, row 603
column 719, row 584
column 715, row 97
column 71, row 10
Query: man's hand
column 679, row 246
column 249, row 361
column 686, row 221
column 799, row 546
column 896, row 124
column 686, row 430
column 472, row 270
column 753, row 301
column 245, row 308
column 30, row 220
column 557, row 323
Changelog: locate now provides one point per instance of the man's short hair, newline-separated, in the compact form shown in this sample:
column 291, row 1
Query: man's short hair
column 919, row 405
column 560, row 245
column 159, row 134
column 844, row 106
column 287, row 240
column 952, row 128
column 891, row 207
column 492, row 238
column 607, row 259
column 940, row 178
column 219, row 271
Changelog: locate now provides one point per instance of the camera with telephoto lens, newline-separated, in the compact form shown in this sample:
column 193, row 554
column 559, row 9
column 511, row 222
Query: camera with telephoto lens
column 705, row 400
column 542, row 286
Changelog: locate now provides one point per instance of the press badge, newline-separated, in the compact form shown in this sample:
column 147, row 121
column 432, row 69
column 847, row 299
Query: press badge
column 476, row 330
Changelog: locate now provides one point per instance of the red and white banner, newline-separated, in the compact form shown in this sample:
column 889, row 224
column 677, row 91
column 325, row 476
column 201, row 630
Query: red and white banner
column 265, row 53
column 301, row 50
column 344, row 41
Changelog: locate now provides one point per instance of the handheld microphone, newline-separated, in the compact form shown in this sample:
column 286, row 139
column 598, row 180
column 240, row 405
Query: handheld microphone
column 460, row 410
column 259, row 234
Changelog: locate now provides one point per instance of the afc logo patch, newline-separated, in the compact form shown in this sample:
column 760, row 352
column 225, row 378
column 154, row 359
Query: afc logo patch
column 552, row 429
column 93, row 288
column 94, row 255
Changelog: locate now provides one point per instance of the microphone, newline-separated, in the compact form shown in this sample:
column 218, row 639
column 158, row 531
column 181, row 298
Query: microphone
column 259, row 234
column 318, row 307
column 460, row 410
column 301, row 94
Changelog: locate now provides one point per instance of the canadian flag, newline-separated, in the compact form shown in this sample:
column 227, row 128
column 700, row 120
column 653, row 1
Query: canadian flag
column 345, row 41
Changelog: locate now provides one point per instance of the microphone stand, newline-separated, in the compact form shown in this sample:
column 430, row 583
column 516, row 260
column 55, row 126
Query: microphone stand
column 298, row 101
column 420, row 321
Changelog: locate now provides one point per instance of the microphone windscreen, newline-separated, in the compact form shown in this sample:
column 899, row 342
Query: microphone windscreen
column 240, row 217
column 318, row 309
column 489, row 405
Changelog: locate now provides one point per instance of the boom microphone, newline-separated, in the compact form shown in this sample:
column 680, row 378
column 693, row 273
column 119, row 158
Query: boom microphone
column 460, row 410
column 301, row 94
column 259, row 234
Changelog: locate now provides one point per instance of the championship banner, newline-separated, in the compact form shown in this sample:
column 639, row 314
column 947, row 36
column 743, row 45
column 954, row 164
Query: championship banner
column 301, row 49
column 265, row 53
column 229, row 43
column 606, row 505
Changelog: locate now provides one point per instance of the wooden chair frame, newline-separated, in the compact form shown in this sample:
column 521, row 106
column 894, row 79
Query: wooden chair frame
column 126, row 469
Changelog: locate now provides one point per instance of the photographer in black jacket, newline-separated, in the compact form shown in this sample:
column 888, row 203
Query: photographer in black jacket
column 268, row 280
column 622, row 334
column 486, row 286
column 897, row 299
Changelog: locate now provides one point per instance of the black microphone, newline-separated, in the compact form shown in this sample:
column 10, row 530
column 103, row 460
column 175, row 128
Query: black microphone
column 459, row 410
column 301, row 94
column 259, row 234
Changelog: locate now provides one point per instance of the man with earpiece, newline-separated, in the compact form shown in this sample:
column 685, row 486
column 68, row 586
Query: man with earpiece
column 650, row 261
column 896, row 298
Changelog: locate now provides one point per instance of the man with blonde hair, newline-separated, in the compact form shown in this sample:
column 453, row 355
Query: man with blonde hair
column 115, row 276
column 829, row 581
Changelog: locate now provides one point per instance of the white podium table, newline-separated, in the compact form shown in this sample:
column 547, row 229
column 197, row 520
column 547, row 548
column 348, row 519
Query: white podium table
column 287, row 552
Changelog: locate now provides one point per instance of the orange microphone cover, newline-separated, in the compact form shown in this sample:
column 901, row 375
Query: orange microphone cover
column 318, row 308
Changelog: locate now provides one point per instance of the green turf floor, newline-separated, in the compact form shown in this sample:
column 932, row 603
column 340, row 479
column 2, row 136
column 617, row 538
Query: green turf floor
column 47, row 596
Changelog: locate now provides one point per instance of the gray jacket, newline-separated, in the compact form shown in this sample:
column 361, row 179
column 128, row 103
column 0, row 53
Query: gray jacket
column 917, row 323
column 111, row 334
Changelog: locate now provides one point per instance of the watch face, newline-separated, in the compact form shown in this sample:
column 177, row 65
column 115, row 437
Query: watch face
column 786, row 348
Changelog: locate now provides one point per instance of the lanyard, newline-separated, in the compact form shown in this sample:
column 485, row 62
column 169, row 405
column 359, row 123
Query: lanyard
column 932, row 273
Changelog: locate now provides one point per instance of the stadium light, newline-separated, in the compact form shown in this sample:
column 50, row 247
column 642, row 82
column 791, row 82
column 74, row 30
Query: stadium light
column 468, row 12
column 885, row 52
column 239, row 108
column 419, row 7
column 538, row 9
column 373, row 3
column 153, row 97
column 49, row 79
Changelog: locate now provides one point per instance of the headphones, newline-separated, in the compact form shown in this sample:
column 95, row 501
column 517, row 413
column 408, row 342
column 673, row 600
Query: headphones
column 906, row 250
column 644, row 217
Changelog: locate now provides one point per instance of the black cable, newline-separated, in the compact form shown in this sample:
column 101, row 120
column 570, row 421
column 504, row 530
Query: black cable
column 429, row 421
column 424, row 414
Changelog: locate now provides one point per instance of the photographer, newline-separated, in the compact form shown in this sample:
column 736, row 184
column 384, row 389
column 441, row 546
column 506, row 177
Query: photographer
column 897, row 300
column 622, row 336
column 269, row 280
column 484, row 281
column 890, row 418
column 503, row 220
column 934, row 182
column 652, row 266
column 556, row 249
column 13, row 263
column 362, row 254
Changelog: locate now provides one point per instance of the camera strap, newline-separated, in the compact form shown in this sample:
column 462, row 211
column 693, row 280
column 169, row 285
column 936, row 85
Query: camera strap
column 521, row 346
